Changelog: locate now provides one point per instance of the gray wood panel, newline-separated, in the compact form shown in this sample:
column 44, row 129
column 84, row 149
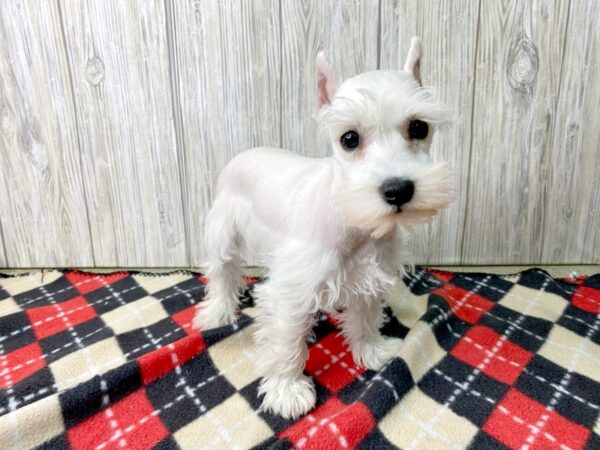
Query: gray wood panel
column 119, row 60
column 448, row 31
column 3, row 259
column 42, row 204
column 117, row 116
column 571, row 229
column 228, row 63
column 517, row 79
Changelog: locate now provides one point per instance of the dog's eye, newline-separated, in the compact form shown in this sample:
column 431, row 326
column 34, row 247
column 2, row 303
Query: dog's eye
column 417, row 129
column 350, row 140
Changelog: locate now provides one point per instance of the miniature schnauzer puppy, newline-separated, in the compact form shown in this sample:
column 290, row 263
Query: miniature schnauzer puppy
column 328, row 230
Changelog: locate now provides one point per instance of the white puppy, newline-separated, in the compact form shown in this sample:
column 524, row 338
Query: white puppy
column 327, row 229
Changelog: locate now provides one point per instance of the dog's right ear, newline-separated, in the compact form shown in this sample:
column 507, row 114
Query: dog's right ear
column 326, row 83
column 413, row 60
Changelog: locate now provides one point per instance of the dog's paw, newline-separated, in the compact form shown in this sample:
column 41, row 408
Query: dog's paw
column 288, row 397
column 374, row 353
column 212, row 315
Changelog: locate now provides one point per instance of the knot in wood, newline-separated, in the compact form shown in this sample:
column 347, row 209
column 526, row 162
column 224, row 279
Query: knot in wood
column 94, row 71
column 568, row 212
column 522, row 65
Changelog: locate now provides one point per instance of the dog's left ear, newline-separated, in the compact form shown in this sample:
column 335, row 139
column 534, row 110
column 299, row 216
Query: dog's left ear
column 413, row 60
column 326, row 83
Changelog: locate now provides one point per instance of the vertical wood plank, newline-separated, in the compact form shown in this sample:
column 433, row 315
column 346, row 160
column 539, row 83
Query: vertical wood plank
column 3, row 259
column 520, row 48
column 228, row 65
column 448, row 30
column 42, row 203
column 348, row 34
column 571, row 231
column 119, row 61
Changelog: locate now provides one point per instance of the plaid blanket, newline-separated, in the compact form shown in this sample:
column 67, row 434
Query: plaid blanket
column 110, row 361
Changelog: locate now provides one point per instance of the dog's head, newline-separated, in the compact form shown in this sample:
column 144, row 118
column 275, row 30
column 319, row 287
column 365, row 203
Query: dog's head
column 381, row 124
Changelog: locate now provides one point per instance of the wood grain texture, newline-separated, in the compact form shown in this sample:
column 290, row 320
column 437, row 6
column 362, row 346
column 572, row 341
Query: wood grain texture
column 228, row 62
column 119, row 61
column 348, row 34
column 571, row 229
column 517, row 78
column 42, row 204
column 448, row 30
column 3, row 259
column 117, row 116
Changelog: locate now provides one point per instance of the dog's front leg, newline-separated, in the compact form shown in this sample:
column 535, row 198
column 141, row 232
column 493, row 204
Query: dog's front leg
column 286, row 316
column 360, row 325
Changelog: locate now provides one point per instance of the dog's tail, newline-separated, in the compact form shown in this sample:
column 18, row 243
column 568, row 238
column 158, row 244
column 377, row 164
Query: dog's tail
column 223, row 267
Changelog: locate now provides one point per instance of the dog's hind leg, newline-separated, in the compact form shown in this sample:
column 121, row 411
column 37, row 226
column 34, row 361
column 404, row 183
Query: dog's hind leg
column 223, row 268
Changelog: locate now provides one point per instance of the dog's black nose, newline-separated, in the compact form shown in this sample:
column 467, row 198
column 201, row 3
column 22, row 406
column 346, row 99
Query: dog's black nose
column 397, row 191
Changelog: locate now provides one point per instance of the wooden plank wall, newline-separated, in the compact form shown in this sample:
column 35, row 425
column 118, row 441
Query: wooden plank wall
column 43, row 208
column 116, row 118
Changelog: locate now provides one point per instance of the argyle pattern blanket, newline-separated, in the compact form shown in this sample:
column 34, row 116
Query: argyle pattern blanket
column 110, row 361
